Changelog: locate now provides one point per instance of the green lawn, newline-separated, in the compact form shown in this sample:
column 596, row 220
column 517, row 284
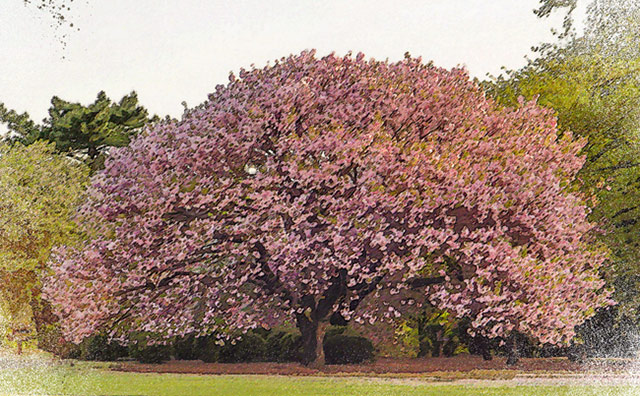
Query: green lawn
column 84, row 381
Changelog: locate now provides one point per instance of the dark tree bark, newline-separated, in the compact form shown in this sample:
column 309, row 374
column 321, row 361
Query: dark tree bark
column 93, row 152
column 308, row 330
column 313, row 322
column 512, row 353
column 482, row 347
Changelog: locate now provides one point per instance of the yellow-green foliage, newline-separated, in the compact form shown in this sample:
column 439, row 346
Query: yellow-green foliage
column 595, row 93
column 39, row 193
column 407, row 339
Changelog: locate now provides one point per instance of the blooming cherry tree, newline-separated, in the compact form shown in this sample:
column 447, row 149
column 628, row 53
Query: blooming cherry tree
column 337, row 187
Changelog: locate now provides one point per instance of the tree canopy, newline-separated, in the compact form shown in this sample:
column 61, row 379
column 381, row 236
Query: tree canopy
column 85, row 132
column 592, row 83
column 547, row 7
column 336, row 186
column 40, row 191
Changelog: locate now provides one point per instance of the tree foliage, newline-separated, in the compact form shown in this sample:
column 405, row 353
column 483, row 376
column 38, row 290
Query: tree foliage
column 547, row 7
column 39, row 193
column 593, row 85
column 317, row 188
column 85, row 132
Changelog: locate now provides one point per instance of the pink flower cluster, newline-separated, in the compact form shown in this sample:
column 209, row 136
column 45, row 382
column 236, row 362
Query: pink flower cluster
column 314, row 187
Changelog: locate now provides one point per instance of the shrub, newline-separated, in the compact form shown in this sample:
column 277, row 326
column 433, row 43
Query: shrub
column 347, row 349
column 251, row 347
column 71, row 351
column 186, row 348
column 145, row 353
column 333, row 331
column 256, row 345
column 439, row 334
column 342, row 345
column 283, row 346
column 143, row 349
column 99, row 348
column 609, row 333
column 206, row 349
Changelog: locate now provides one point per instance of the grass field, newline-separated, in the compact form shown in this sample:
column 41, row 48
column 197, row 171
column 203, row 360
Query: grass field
column 82, row 380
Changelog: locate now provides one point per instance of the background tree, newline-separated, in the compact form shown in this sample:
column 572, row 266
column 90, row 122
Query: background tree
column 547, row 7
column 593, row 85
column 339, row 187
column 84, row 132
column 39, row 192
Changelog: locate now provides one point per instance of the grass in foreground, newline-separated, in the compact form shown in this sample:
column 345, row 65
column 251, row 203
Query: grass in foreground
column 82, row 380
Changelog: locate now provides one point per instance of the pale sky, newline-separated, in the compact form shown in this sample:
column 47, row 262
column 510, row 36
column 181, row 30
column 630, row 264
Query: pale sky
column 171, row 51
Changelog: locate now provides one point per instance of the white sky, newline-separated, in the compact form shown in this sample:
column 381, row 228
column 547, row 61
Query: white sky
column 175, row 50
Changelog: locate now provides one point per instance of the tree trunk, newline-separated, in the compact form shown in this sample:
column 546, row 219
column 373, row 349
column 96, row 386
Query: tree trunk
column 486, row 353
column 440, row 341
column 312, row 336
column 321, row 329
column 512, row 356
column 92, row 152
column 313, row 323
column 308, row 330
column 482, row 346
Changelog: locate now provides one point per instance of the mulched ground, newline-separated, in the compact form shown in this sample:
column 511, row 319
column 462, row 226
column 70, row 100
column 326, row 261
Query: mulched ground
column 461, row 363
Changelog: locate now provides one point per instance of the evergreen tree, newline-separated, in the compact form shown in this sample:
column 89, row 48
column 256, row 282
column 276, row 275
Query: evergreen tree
column 83, row 132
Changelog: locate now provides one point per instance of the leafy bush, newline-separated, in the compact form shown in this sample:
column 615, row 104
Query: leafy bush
column 48, row 331
column 186, row 348
column 440, row 334
column 406, row 341
column 71, row 351
column 526, row 346
column 609, row 333
column 333, row 331
column 251, row 347
column 347, row 349
column 145, row 353
column 99, row 348
column 283, row 346
column 143, row 348
column 206, row 349
column 150, row 353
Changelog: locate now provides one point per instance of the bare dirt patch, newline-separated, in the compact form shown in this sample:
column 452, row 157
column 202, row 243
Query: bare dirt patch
column 462, row 366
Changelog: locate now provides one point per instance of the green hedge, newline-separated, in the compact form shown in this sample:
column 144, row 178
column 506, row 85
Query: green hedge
column 341, row 346
column 283, row 346
column 99, row 348
column 207, row 349
column 143, row 348
column 251, row 347
column 347, row 349
column 186, row 348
